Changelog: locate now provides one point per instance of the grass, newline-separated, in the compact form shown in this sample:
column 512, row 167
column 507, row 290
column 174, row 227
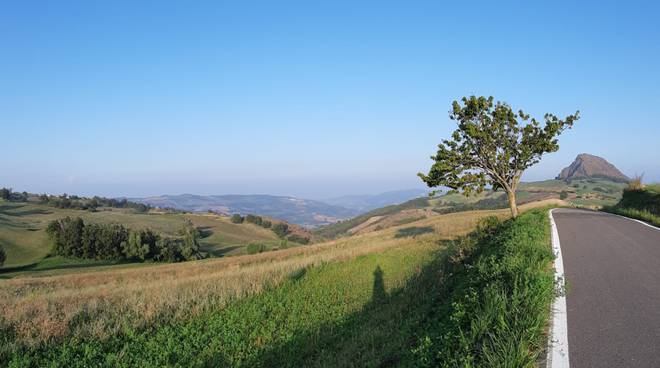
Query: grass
column 498, row 299
column 367, row 300
column 639, row 202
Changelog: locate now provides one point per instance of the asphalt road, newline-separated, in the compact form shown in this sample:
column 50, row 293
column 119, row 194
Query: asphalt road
column 612, row 268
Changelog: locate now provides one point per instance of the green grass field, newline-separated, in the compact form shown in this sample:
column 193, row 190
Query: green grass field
column 26, row 244
column 406, row 304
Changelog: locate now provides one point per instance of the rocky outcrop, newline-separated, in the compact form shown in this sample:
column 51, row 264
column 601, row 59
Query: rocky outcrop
column 590, row 166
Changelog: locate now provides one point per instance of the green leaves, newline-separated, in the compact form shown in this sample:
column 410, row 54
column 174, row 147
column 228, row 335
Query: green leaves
column 492, row 146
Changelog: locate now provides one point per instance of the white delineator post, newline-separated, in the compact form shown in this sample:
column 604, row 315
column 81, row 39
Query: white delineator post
column 557, row 356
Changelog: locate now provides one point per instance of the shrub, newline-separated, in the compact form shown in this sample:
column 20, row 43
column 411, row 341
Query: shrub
column 254, row 248
column 636, row 183
column 281, row 229
column 298, row 239
column 236, row 218
column 252, row 219
column 563, row 194
column 266, row 224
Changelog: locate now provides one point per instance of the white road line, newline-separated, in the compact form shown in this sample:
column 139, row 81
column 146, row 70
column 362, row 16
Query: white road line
column 558, row 339
column 636, row 220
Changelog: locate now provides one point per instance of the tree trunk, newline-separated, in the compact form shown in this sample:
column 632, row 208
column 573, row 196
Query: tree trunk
column 512, row 203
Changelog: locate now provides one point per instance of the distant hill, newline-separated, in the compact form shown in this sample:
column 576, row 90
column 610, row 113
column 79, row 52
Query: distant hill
column 590, row 166
column 304, row 212
column 368, row 202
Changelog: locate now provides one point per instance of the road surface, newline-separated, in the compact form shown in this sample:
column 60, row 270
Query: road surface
column 612, row 268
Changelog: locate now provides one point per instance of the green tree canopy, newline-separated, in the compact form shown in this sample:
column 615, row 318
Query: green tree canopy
column 492, row 146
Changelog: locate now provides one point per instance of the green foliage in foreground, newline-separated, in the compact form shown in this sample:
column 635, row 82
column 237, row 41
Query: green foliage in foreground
column 641, row 204
column 498, row 298
column 483, row 301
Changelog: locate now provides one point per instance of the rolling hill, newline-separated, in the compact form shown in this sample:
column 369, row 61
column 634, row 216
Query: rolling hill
column 23, row 236
column 304, row 212
column 368, row 202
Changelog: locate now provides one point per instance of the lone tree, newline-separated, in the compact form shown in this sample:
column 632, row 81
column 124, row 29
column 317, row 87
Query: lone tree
column 492, row 146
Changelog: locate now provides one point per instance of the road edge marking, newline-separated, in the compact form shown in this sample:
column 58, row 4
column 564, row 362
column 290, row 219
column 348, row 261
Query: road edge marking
column 634, row 219
column 557, row 356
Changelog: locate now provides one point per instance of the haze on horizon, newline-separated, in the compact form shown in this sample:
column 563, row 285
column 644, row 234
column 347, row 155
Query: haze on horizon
column 304, row 99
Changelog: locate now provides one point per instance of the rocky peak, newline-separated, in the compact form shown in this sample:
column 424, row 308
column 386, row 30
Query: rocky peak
column 590, row 166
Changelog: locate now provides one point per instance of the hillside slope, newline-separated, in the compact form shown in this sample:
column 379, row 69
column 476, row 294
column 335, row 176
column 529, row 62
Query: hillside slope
column 586, row 192
column 22, row 229
column 303, row 212
column 370, row 300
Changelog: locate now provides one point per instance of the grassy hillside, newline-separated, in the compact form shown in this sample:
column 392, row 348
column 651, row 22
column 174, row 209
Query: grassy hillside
column 640, row 203
column 590, row 193
column 23, row 236
column 384, row 298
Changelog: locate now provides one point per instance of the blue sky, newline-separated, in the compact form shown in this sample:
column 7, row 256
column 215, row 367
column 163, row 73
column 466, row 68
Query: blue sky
column 313, row 99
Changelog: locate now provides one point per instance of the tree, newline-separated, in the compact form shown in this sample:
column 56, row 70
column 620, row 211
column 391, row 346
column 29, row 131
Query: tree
column 236, row 218
column 492, row 146
column 5, row 193
column 281, row 229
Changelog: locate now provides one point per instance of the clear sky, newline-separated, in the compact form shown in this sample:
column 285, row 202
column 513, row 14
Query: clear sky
column 312, row 99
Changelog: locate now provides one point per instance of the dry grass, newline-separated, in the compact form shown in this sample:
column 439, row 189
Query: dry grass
column 99, row 304
column 636, row 183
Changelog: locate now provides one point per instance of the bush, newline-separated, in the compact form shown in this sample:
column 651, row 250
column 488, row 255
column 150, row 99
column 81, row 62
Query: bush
column 563, row 194
column 252, row 219
column 266, row 224
column 281, row 229
column 236, row 218
column 298, row 239
column 254, row 248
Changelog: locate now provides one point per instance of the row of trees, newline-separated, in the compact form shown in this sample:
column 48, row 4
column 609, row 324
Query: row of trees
column 82, row 203
column 251, row 219
column 72, row 237
column 73, row 201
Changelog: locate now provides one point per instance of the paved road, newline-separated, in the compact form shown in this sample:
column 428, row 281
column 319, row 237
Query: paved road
column 612, row 267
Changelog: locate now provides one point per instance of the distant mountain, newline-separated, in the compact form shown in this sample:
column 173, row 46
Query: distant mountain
column 304, row 212
column 590, row 166
column 368, row 202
